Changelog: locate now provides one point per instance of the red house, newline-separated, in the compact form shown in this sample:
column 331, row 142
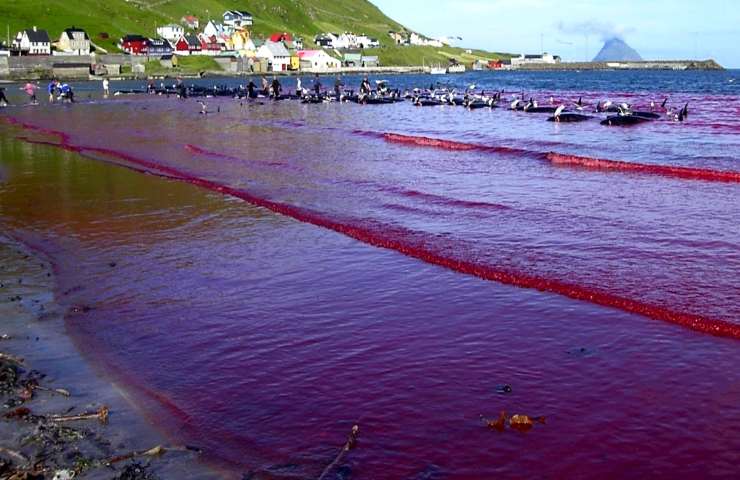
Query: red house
column 495, row 64
column 134, row 44
column 209, row 44
column 281, row 37
column 188, row 44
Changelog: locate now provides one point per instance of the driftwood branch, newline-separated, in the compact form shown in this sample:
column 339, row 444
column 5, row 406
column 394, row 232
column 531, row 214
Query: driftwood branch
column 10, row 358
column 60, row 391
column 16, row 455
column 349, row 445
column 152, row 452
column 101, row 415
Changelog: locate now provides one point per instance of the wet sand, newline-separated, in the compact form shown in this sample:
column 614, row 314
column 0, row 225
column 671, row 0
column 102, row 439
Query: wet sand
column 32, row 330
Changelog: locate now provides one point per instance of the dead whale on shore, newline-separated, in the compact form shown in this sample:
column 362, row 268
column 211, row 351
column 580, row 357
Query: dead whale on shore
column 561, row 116
column 624, row 120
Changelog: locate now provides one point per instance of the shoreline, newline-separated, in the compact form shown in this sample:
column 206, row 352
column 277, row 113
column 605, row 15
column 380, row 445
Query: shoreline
column 38, row 351
column 37, row 74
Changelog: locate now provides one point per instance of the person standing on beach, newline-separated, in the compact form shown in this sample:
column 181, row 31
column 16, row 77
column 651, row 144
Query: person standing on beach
column 338, row 87
column 3, row 99
column 317, row 85
column 364, row 89
column 30, row 90
column 298, row 87
column 52, row 89
column 251, row 89
column 276, row 88
column 265, row 87
column 106, row 86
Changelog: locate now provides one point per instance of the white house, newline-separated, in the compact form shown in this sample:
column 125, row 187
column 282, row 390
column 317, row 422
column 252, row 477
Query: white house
column 238, row 19
column 345, row 40
column 530, row 59
column 278, row 57
column 33, row 42
column 416, row 39
column 171, row 32
column 213, row 29
column 326, row 40
column 363, row 41
column 317, row 61
column 74, row 41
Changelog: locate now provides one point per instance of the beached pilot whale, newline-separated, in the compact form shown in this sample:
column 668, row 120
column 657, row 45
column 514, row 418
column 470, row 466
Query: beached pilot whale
column 610, row 107
column 568, row 117
column 624, row 118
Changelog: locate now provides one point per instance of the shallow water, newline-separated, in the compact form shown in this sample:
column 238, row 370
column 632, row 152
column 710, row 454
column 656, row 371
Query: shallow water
column 264, row 337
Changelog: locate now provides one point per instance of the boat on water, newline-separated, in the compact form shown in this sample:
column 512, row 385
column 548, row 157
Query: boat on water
column 437, row 70
column 456, row 68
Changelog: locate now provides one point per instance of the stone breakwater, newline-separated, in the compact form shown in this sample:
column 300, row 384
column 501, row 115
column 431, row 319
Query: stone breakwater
column 643, row 65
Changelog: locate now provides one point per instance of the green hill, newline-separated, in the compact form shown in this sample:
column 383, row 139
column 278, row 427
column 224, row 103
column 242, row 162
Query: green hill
column 305, row 18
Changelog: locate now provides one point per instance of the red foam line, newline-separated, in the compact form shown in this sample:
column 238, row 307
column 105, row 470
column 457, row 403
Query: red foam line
column 559, row 159
column 662, row 170
column 416, row 245
column 453, row 145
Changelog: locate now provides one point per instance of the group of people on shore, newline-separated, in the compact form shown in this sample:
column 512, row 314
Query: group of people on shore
column 274, row 89
column 58, row 92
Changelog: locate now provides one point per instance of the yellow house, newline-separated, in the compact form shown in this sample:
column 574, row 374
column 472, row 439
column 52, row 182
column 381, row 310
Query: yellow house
column 242, row 43
column 295, row 62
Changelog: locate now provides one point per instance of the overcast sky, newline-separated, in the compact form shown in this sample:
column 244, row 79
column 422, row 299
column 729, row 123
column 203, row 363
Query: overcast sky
column 576, row 29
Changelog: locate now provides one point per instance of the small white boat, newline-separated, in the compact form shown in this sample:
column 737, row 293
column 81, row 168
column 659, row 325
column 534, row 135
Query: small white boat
column 437, row 70
column 456, row 68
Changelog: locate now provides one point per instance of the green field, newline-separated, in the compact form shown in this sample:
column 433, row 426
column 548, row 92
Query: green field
column 304, row 18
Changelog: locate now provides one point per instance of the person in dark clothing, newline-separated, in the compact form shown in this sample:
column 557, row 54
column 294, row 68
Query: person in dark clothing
column 182, row 91
column 251, row 89
column 67, row 93
column 365, row 86
column 276, row 88
column 338, row 87
column 3, row 99
column 317, row 85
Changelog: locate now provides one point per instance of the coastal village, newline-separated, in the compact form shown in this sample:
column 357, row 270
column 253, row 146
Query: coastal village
column 228, row 44
column 228, row 40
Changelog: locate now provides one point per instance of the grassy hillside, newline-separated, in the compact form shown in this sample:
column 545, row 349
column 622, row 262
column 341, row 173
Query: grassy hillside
column 305, row 18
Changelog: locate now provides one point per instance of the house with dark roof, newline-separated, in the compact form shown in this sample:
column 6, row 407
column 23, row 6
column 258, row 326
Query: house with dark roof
column 134, row 44
column 32, row 42
column 157, row 47
column 188, row 44
column 74, row 41
column 238, row 19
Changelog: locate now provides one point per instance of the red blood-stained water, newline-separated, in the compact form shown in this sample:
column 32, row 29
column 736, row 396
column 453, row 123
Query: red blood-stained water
column 264, row 337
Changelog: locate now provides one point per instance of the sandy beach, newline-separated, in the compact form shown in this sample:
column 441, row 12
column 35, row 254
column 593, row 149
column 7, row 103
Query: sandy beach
column 33, row 340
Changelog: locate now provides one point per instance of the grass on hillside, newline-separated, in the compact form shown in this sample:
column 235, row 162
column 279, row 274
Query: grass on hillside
column 304, row 18
column 185, row 65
